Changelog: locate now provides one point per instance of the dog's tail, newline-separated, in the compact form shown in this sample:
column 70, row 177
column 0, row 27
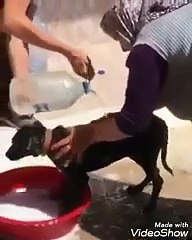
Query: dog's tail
column 164, row 148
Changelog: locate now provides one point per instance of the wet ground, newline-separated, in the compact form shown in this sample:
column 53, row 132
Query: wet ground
column 113, row 214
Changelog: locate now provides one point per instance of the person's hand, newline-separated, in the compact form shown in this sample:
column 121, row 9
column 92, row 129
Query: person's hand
column 72, row 147
column 81, row 64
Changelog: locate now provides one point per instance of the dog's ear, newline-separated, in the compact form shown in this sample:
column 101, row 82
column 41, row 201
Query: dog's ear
column 38, row 124
column 62, row 130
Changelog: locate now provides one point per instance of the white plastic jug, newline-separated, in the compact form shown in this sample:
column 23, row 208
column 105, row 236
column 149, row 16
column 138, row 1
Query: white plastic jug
column 51, row 91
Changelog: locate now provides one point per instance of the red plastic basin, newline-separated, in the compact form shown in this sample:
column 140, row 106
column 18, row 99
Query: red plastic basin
column 38, row 177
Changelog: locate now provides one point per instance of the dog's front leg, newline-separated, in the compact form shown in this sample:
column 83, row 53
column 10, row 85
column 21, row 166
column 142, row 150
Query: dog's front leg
column 74, row 188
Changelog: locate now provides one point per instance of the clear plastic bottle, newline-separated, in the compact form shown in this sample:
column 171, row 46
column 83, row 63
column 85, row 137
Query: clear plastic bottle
column 51, row 91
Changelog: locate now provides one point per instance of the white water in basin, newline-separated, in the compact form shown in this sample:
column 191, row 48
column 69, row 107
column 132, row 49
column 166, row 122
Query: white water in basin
column 31, row 205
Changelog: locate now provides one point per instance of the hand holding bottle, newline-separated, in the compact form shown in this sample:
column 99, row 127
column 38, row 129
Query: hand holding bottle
column 81, row 64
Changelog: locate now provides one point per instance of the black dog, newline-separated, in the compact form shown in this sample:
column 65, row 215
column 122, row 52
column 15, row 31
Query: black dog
column 143, row 149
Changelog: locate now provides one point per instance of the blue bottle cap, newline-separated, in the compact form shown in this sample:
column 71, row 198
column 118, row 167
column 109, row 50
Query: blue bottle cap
column 101, row 72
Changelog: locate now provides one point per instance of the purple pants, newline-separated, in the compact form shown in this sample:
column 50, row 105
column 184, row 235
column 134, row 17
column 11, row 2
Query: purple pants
column 147, row 77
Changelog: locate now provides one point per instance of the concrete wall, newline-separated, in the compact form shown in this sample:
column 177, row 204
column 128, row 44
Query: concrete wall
column 75, row 20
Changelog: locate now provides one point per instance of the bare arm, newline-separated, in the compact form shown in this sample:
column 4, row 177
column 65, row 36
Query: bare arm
column 19, row 58
column 18, row 24
column 19, row 52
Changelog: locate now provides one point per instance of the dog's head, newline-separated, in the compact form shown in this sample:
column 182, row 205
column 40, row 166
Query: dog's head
column 30, row 140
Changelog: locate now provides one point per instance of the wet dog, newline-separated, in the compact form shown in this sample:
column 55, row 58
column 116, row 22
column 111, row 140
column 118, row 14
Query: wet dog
column 143, row 148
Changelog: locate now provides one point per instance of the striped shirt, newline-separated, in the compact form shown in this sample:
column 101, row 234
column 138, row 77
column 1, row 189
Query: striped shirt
column 165, row 40
column 170, row 36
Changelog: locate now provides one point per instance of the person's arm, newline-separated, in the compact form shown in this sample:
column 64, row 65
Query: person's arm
column 19, row 52
column 143, row 91
column 145, row 79
column 18, row 24
column 19, row 58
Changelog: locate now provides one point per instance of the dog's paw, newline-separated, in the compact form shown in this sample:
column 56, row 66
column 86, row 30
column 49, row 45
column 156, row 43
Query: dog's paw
column 134, row 189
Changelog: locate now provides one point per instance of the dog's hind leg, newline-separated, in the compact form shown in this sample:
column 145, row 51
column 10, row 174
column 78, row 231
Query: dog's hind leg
column 135, row 189
column 145, row 164
column 148, row 161
column 157, row 182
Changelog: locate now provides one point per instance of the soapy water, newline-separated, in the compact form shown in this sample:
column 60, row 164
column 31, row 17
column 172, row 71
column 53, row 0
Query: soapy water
column 30, row 205
column 33, row 205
